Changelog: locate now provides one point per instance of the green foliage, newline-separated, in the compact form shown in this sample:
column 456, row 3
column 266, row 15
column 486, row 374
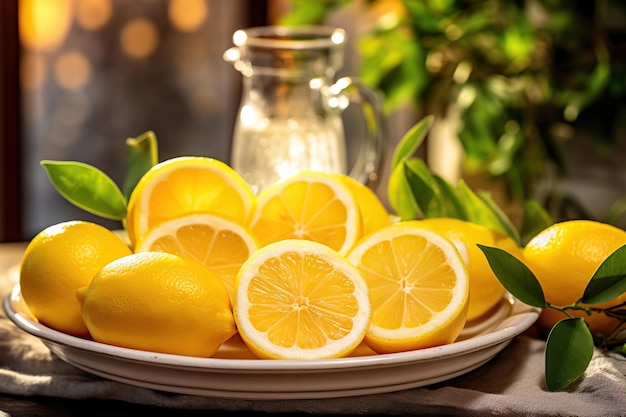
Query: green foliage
column 92, row 190
column 414, row 191
column 518, row 73
column 570, row 344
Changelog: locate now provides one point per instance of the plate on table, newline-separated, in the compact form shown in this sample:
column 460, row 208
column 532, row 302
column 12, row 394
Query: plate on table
column 234, row 373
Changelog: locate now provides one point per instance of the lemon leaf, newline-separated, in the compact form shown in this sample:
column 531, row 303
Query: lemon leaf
column 569, row 349
column 502, row 222
column 423, row 187
column 451, row 203
column 481, row 209
column 142, row 153
column 411, row 141
column 515, row 276
column 609, row 280
column 536, row 219
column 87, row 188
column 400, row 195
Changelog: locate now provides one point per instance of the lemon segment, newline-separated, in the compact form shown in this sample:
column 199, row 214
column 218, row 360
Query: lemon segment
column 419, row 288
column 298, row 299
column 220, row 244
column 310, row 205
column 486, row 291
column 187, row 185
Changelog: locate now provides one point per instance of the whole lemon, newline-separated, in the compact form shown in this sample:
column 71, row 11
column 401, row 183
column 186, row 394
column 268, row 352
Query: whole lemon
column 564, row 257
column 158, row 302
column 485, row 289
column 58, row 261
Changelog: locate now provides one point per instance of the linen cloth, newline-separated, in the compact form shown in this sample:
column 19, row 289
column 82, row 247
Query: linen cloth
column 511, row 384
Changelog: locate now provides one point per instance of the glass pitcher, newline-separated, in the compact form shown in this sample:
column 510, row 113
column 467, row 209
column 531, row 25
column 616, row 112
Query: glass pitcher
column 290, row 112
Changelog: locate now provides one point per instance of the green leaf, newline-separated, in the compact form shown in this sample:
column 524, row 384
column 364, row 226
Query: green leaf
column 609, row 280
column 515, row 276
column 536, row 219
column 504, row 224
column 411, row 141
column 400, row 195
column 450, row 200
column 423, row 187
column 87, row 188
column 484, row 211
column 569, row 349
column 142, row 154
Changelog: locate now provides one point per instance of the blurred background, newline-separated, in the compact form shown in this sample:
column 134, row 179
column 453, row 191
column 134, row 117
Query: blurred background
column 529, row 96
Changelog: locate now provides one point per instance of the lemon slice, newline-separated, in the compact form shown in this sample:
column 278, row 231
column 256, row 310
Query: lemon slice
column 298, row 299
column 418, row 285
column 220, row 244
column 309, row 205
column 186, row 185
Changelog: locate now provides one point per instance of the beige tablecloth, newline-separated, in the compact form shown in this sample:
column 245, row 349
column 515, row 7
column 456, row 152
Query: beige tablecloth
column 512, row 384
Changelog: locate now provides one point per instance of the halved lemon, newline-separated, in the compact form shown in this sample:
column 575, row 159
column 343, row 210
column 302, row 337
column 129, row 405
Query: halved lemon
column 418, row 284
column 310, row 205
column 373, row 212
column 220, row 244
column 186, row 185
column 298, row 299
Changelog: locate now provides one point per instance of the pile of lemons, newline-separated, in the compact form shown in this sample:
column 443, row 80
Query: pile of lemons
column 312, row 267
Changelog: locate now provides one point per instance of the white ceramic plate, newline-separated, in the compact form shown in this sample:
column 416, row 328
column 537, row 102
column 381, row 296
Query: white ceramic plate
column 234, row 373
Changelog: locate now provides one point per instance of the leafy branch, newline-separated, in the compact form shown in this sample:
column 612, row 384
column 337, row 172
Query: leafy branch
column 570, row 344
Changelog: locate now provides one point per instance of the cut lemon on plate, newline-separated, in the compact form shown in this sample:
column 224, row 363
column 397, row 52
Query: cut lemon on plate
column 220, row 244
column 418, row 285
column 186, row 185
column 309, row 205
column 298, row 299
column 373, row 212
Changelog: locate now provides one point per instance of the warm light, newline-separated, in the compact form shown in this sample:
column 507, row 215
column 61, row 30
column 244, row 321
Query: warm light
column 93, row 14
column 139, row 38
column 187, row 15
column 72, row 70
column 33, row 71
column 44, row 23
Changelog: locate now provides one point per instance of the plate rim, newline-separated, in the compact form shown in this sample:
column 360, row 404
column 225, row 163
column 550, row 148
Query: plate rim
column 526, row 317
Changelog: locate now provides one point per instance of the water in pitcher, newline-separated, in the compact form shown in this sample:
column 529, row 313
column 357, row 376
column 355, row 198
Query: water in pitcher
column 284, row 147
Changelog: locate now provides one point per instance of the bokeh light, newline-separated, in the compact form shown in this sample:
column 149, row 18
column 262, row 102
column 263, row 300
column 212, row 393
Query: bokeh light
column 72, row 70
column 139, row 38
column 187, row 15
column 93, row 14
column 43, row 24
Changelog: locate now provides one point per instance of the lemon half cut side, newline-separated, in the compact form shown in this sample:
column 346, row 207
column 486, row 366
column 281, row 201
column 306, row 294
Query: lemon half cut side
column 298, row 299
column 419, row 288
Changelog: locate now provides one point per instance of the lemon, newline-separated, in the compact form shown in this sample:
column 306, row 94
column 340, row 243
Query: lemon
column 485, row 289
column 564, row 257
column 220, row 244
column 59, row 260
column 158, row 302
column 298, row 299
column 187, row 185
column 373, row 212
column 310, row 205
column 419, row 287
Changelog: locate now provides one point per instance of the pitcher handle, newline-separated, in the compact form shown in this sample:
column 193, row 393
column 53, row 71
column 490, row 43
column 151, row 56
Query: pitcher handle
column 368, row 166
